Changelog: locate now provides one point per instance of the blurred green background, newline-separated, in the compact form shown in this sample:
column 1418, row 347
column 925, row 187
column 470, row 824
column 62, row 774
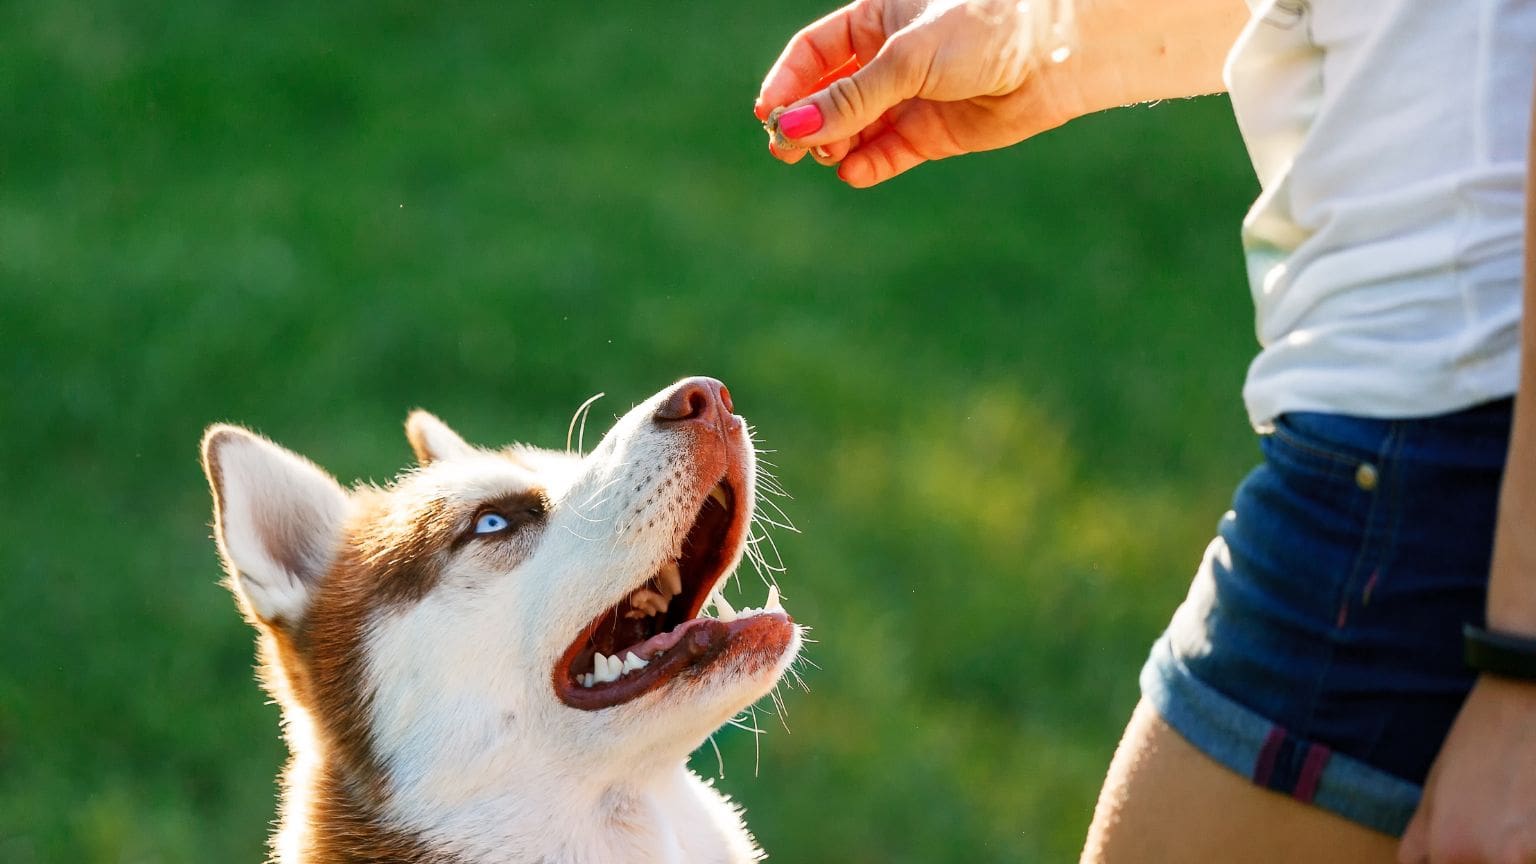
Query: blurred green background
column 1003, row 390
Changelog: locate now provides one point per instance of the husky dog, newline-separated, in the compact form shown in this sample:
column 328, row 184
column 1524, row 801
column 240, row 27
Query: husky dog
column 502, row 656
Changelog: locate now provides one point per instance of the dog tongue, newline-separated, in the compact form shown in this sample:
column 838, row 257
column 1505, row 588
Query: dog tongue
column 693, row 642
column 659, row 643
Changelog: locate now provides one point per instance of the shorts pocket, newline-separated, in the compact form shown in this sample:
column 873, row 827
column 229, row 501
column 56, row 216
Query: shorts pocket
column 1325, row 446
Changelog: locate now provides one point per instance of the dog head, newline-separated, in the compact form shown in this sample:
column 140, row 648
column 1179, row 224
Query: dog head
column 492, row 612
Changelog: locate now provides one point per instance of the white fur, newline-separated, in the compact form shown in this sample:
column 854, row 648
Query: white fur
column 484, row 761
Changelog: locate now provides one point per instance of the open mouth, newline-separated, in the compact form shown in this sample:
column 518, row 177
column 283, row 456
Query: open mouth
column 657, row 631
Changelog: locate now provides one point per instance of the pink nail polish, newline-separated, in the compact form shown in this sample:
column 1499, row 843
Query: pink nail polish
column 803, row 121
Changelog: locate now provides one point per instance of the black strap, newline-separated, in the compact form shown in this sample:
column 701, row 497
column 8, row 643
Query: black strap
column 1503, row 654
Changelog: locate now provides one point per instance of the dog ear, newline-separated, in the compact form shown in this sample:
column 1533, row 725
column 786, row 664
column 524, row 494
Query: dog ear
column 432, row 440
column 278, row 520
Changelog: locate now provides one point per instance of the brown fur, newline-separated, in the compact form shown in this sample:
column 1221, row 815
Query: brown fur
column 391, row 556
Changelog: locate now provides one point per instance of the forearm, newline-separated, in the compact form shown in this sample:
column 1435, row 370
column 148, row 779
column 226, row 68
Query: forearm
column 1512, row 585
column 1129, row 51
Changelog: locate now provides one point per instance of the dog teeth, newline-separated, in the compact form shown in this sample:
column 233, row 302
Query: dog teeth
column 726, row 614
column 717, row 495
column 670, row 579
column 723, row 609
column 605, row 669
column 648, row 602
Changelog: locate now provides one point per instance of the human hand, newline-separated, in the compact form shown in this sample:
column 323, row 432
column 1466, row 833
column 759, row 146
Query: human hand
column 881, row 86
column 1479, row 804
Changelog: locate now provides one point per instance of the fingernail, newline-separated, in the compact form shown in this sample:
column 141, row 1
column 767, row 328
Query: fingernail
column 802, row 121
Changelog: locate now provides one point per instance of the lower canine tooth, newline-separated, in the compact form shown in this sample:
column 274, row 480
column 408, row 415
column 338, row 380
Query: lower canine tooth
column 727, row 614
column 772, row 603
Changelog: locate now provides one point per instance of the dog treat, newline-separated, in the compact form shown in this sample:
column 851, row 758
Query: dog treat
column 775, row 137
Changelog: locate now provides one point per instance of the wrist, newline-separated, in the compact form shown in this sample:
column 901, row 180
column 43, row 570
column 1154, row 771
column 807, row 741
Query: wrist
column 1519, row 696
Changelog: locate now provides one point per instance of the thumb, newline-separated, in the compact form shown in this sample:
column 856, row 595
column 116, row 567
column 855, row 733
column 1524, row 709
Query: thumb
column 849, row 105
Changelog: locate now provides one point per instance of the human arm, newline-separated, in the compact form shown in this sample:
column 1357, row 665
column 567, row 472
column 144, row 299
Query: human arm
column 1479, row 803
column 900, row 82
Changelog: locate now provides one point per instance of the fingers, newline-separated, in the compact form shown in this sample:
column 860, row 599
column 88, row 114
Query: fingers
column 888, row 147
column 873, row 156
column 877, row 162
column 849, row 105
column 811, row 58
column 838, row 76
column 831, row 154
column 787, row 155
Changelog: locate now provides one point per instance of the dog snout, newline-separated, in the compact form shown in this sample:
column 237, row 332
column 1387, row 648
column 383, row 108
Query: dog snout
column 698, row 400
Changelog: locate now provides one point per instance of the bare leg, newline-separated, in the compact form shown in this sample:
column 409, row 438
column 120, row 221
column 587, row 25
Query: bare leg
column 1165, row 801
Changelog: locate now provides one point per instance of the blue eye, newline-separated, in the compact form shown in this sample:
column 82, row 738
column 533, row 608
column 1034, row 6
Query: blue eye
column 490, row 523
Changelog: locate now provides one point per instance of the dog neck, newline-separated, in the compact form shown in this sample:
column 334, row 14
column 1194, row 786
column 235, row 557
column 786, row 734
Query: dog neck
column 495, row 814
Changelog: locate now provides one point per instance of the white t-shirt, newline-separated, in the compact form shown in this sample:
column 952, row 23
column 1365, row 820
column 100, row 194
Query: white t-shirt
column 1384, row 252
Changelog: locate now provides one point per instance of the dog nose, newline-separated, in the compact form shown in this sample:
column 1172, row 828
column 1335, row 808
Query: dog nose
column 703, row 400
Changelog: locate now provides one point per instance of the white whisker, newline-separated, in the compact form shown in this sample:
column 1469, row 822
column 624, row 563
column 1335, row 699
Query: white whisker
column 581, row 436
column 580, row 536
column 772, row 487
column 774, row 522
column 581, row 412
column 757, row 745
column 740, row 722
column 778, row 701
column 776, row 555
column 585, row 518
column 719, row 760
column 600, row 490
column 760, row 561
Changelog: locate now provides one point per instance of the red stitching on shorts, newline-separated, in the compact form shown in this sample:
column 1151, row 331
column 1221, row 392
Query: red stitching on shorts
column 1265, row 765
column 1311, row 773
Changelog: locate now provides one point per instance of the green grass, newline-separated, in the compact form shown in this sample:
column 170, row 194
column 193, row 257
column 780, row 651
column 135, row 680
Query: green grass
column 1003, row 390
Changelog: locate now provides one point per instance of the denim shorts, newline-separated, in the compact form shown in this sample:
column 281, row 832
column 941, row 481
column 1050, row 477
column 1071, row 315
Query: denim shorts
column 1319, row 650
